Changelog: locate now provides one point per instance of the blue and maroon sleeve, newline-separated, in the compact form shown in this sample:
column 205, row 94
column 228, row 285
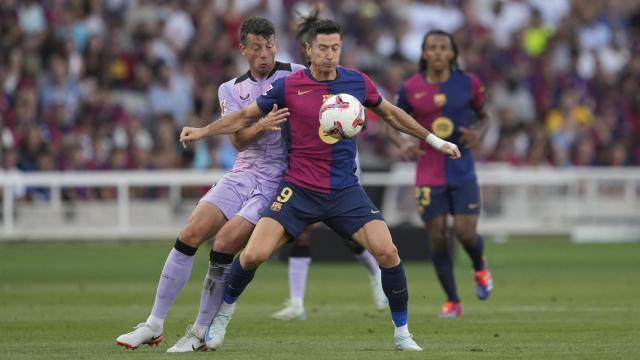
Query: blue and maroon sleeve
column 477, row 93
column 372, row 97
column 402, row 102
column 275, row 95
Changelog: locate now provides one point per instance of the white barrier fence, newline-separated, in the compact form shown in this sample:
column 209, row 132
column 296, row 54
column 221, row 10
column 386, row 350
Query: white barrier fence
column 588, row 204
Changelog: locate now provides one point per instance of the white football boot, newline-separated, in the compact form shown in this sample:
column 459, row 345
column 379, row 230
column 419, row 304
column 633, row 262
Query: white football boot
column 143, row 333
column 192, row 341
column 214, row 336
column 293, row 310
column 406, row 343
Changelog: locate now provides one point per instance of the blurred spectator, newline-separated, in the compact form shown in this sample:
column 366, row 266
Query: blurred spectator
column 107, row 84
column 60, row 88
column 513, row 95
column 170, row 92
column 536, row 34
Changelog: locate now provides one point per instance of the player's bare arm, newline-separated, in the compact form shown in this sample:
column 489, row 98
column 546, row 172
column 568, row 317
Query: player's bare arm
column 471, row 136
column 247, row 136
column 403, row 122
column 234, row 122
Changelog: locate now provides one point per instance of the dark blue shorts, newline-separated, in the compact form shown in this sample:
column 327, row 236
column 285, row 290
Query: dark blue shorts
column 345, row 211
column 459, row 199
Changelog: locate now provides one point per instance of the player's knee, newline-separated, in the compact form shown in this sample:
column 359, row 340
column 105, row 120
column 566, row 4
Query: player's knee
column 191, row 236
column 465, row 234
column 227, row 243
column 438, row 242
column 253, row 259
column 387, row 256
column 222, row 245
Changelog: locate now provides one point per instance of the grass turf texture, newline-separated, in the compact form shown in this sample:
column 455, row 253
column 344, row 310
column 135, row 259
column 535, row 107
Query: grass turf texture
column 553, row 300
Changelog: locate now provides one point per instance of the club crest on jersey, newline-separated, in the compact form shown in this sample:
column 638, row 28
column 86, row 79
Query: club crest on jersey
column 442, row 127
column 276, row 206
column 440, row 99
column 325, row 97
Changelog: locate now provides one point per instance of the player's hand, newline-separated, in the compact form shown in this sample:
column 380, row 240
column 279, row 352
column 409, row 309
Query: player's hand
column 451, row 150
column 410, row 150
column 469, row 137
column 274, row 118
column 189, row 134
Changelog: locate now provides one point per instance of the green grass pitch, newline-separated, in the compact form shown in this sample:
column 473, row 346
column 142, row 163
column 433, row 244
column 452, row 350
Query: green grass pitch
column 552, row 300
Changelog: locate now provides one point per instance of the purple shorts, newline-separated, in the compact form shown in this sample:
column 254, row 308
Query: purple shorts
column 243, row 194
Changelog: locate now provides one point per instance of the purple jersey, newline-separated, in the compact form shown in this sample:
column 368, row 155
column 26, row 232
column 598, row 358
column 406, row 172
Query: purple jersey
column 318, row 162
column 267, row 156
column 249, row 187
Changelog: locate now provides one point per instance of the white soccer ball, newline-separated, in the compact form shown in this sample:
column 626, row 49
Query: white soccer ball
column 342, row 115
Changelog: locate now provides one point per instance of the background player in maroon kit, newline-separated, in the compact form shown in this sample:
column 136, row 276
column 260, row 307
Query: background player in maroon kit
column 319, row 183
column 450, row 103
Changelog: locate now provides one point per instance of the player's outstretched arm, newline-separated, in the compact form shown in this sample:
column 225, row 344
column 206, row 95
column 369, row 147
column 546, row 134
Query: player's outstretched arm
column 271, row 122
column 230, row 123
column 401, row 121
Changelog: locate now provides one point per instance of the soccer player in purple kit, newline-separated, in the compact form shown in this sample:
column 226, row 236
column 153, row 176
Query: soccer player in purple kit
column 451, row 103
column 319, row 183
column 230, row 210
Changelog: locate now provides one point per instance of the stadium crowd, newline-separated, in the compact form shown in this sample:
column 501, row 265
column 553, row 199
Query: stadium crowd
column 107, row 84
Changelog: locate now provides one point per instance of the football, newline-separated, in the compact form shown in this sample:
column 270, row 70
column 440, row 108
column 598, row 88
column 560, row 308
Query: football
column 342, row 116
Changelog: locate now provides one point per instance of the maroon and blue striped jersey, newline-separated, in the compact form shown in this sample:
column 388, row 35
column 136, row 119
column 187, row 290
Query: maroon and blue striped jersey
column 318, row 162
column 443, row 108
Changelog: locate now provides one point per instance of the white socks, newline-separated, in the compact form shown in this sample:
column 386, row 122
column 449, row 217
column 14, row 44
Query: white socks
column 402, row 330
column 156, row 323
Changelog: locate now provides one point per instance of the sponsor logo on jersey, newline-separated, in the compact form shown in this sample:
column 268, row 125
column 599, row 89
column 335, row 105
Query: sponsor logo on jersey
column 442, row 127
column 300, row 92
column 327, row 139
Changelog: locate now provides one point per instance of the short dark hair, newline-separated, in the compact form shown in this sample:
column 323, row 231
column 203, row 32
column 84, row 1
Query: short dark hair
column 454, row 62
column 256, row 26
column 323, row 26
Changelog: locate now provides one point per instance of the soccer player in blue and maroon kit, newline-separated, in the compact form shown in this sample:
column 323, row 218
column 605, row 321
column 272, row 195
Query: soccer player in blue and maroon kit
column 450, row 103
column 319, row 183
